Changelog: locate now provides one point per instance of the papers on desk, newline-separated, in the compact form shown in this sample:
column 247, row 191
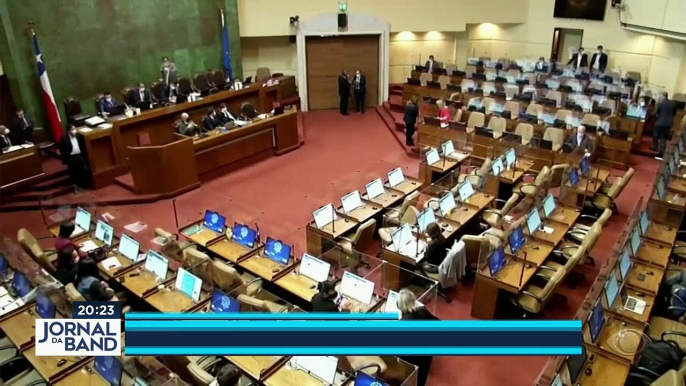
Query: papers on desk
column 13, row 148
column 88, row 246
column 639, row 308
column 507, row 218
column 26, row 145
column 135, row 227
column 548, row 230
column 3, row 291
column 238, row 122
column 324, row 216
column 263, row 116
column 357, row 288
column 111, row 263
column 105, row 126
column 315, row 269
column 94, row 121
column 351, row 201
column 322, row 367
column 85, row 130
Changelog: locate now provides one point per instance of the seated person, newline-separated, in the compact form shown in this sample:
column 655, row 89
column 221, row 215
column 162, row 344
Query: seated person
column 541, row 65
column 211, row 121
column 325, row 299
column 63, row 241
column 185, row 126
column 66, row 265
column 248, row 111
column 580, row 140
column 107, row 103
column 225, row 116
column 228, row 375
column 90, row 286
column 141, row 96
column 22, row 128
column 437, row 250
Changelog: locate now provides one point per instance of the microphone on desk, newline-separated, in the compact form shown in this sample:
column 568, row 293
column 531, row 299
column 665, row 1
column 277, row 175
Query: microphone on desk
column 257, row 233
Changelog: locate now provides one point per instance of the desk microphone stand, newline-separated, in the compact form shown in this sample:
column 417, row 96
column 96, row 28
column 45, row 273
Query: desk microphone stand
column 333, row 220
column 176, row 215
column 521, row 275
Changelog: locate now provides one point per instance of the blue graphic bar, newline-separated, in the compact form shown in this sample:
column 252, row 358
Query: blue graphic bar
column 260, row 316
column 351, row 337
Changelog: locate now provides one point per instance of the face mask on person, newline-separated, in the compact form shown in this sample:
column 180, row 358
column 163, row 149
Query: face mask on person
column 142, row 89
column 72, row 132
column 108, row 98
column 642, row 103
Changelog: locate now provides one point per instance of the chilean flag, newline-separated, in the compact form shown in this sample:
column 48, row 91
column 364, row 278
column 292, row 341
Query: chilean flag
column 50, row 105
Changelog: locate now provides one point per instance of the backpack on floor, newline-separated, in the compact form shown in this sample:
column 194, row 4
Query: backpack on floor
column 662, row 356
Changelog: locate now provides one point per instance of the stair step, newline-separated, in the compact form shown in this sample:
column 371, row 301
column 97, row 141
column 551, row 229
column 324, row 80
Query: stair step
column 55, row 182
column 35, row 196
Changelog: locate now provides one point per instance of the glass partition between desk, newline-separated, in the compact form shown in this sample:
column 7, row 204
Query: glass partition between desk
column 389, row 279
column 251, row 297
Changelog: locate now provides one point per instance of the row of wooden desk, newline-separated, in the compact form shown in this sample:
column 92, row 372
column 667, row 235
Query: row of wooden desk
column 605, row 365
column 108, row 149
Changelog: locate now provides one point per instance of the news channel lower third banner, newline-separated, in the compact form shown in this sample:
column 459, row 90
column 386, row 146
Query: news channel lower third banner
column 93, row 330
column 343, row 334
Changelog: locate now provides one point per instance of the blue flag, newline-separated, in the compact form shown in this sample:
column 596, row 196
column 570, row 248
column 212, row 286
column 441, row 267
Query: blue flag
column 225, row 49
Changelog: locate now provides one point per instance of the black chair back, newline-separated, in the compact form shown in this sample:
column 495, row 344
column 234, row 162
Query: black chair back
column 185, row 86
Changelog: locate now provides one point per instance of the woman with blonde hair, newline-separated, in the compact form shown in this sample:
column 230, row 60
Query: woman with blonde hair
column 410, row 118
column 411, row 309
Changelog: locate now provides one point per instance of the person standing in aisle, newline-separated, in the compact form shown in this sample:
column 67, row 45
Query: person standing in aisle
column 360, row 87
column 344, row 91
column 410, row 118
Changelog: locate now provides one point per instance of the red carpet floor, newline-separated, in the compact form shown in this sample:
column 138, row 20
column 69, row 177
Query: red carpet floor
column 342, row 154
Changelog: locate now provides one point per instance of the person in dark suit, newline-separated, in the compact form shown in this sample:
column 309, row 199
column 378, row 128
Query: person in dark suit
column 185, row 126
column 664, row 119
column 169, row 74
column 210, row 122
column 360, row 89
column 5, row 137
column 599, row 60
column 22, row 128
column 430, row 64
column 411, row 309
column 107, row 103
column 224, row 115
column 410, row 118
column 581, row 140
column 344, row 91
column 579, row 60
column 141, row 96
column 325, row 299
column 70, row 151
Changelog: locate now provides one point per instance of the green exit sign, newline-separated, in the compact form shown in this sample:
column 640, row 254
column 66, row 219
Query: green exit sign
column 343, row 6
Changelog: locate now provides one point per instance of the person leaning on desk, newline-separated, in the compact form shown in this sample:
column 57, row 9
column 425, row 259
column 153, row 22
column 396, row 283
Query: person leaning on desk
column 224, row 115
column 63, row 241
column 437, row 249
column 229, row 375
column 90, row 286
column 185, row 126
column 325, row 299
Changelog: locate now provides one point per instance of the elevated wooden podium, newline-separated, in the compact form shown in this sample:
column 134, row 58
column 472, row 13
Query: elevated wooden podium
column 167, row 169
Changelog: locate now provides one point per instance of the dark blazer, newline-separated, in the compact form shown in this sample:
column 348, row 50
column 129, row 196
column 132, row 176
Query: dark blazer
column 363, row 84
column 411, row 114
column 66, row 147
column 574, row 59
column 223, row 119
column 106, row 106
column 585, row 143
column 210, row 123
column 664, row 113
column 603, row 61
column 436, row 253
column 419, row 314
column 343, row 86
column 136, row 97
column 19, row 128
column 428, row 64
column 323, row 303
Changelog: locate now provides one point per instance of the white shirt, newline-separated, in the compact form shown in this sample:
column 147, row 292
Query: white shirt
column 578, row 59
column 579, row 138
column 228, row 115
column 431, row 66
column 596, row 65
column 75, row 149
column 357, row 82
column 142, row 95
